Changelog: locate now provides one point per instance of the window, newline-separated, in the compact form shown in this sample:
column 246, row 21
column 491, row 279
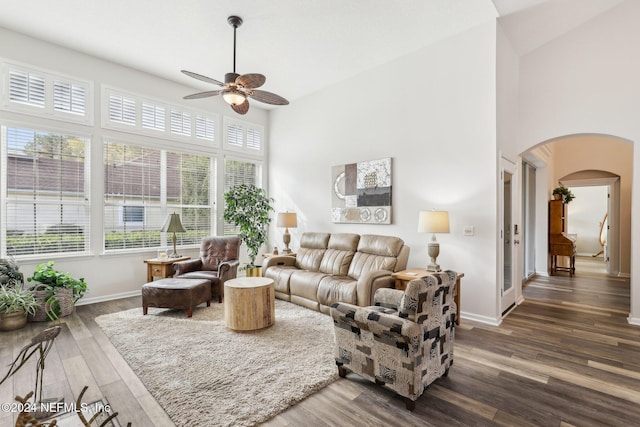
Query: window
column 26, row 88
column 238, row 172
column 143, row 185
column 47, row 201
column 242, row 136
column 132, row 215
column 131, row 182
column 144, row 116
column 46, row 94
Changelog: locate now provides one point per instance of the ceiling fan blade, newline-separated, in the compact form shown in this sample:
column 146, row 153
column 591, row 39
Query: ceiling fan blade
column 251, row 81
column 203, row 94
column 241, row 108
column 268, row 97
column 201, row 77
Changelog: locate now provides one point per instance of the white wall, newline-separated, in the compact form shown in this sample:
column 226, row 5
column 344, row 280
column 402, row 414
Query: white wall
column 585, row 214
column 433, row 112
column 106, row 275
column 587, row 82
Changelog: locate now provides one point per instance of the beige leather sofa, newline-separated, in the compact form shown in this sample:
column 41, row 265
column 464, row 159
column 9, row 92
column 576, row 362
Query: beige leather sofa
column 338, row 267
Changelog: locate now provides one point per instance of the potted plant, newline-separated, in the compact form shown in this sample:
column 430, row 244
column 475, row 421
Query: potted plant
column 56, row 291
column 564, row 194
column 15, row 304
column 249, row 207
column 10, row 274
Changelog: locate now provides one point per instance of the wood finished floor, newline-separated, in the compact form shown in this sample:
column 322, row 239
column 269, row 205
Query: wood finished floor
column 565, row 357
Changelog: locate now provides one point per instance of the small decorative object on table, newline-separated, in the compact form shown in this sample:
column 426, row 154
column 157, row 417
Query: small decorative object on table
column 564, row 194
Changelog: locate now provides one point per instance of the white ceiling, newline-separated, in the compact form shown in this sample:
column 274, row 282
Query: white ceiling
column 300, row 45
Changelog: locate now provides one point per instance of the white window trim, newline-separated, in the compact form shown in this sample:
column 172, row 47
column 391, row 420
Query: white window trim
column 6, row 66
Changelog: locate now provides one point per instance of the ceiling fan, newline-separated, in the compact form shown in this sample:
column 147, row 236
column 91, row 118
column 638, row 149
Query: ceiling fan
column 237, row 89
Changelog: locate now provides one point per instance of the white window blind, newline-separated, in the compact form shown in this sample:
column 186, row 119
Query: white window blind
column 205, row 128
column 188, row 194
column 180, row 123
column 26, row 88
column 238, row 172
column 235, row 135
column 254, row 139
column 47, row 204
column 68, row 97
column 153, row 116
column 243, row 136
column 131, row 183
column 122, row 109
column 141, row 184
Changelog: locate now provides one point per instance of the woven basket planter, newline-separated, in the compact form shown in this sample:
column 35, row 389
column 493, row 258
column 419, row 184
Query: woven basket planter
column 46, row 300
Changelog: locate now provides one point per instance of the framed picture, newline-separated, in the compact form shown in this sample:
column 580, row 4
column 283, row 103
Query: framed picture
column 361, row 192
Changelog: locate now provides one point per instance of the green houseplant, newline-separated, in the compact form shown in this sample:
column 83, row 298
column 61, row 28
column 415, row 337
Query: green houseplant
column 15, row 304
column 59, row 291
column 248, row 207
column 564, row 194
column 10, row 274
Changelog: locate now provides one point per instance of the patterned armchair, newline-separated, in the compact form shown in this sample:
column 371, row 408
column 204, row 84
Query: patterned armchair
column 218, row 262
column 405, row 341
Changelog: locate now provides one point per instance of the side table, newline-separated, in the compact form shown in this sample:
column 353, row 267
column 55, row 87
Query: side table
column 161, row 268
column 270, row 254
column 403, row 277
column 249, row 303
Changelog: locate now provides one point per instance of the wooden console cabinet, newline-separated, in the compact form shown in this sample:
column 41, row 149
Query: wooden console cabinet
column 559, row 244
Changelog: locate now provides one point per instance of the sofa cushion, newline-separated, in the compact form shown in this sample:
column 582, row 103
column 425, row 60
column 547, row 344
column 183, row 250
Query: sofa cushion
column 312, row 248
column 337, row 289
column 305, row 284
column 380, row 245
column 280, row 275
column 375, row 253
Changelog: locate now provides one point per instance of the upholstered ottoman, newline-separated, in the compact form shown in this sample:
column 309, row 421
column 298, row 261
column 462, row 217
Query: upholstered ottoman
column 176, row 293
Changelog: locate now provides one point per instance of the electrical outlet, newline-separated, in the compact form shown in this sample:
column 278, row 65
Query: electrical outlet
column 468, row 230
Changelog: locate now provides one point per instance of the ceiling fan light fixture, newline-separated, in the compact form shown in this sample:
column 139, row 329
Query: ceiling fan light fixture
column 233, row 97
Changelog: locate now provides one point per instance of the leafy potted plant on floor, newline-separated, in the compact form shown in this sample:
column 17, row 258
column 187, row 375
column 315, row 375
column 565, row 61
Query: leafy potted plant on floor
column 248, row 207
column 56, row 291
column 15, row 304
column 564, row 194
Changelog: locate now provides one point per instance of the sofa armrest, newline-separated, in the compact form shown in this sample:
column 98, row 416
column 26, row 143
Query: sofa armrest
column 369, row 282
column 278, row 260
column 228, row 270
column 182, row 267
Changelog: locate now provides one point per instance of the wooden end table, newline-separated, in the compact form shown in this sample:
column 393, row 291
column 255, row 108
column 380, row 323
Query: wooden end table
column 405, row 276
column 161, row 268
column 249, row 303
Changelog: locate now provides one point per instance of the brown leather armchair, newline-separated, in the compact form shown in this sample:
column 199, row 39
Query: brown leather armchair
column 218, row 262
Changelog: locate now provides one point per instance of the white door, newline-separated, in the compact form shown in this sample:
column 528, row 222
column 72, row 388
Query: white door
column 510, row 235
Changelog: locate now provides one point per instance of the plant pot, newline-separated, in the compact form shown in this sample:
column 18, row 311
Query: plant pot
column 45, row 311
column 13, row 320
column 557, row 197
column 253, row 271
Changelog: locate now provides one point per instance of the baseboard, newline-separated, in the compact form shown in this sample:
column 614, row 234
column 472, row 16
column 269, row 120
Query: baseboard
column 481, row 319
column 634, row 320
column 624, row 275
column 85, row 301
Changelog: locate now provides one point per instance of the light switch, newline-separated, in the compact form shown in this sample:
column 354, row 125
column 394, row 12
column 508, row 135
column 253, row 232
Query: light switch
column 468, row 230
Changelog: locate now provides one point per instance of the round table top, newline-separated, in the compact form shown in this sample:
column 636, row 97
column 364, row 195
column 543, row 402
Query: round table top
column 248, row 282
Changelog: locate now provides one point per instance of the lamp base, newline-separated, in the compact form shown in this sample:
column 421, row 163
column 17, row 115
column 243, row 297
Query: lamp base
column 434, row 267
column 287, row 251
column 174, row 255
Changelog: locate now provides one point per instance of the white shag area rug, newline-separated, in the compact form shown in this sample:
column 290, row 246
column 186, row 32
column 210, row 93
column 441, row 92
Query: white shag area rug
column 201, row 373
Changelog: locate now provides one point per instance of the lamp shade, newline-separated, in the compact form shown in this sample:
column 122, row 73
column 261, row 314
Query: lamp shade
column 173, row 224
column 287, row 219
column 433, row 222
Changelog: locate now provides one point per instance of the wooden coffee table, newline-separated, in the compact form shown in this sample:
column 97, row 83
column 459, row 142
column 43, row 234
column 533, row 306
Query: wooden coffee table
column 249, row 303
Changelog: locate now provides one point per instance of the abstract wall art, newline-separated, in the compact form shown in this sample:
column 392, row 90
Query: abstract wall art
column 361, row 192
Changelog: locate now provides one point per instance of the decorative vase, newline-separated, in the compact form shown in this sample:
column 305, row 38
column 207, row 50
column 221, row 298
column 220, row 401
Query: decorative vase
column 13, row 320
column 253, row 271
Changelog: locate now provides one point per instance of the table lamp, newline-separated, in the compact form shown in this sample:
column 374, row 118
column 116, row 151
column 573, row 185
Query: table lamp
column 287, row 219
column 173, row 225
column 433, row 222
